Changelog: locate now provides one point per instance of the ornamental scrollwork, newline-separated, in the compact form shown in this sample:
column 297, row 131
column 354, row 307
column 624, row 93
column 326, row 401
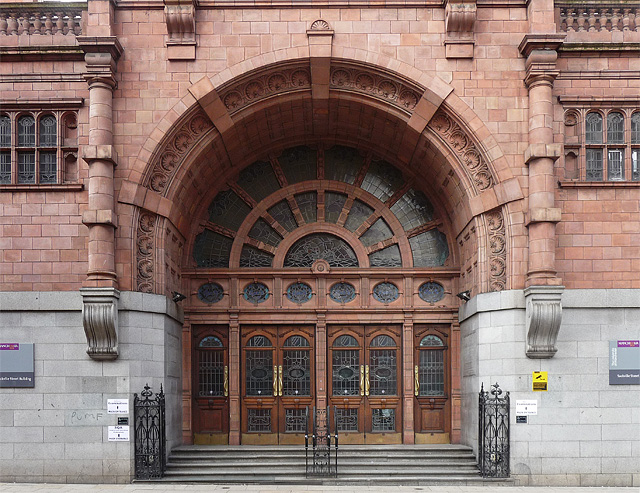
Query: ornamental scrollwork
column 145, row 252
column 497, row 250
column 468, row 153
column 320, row 25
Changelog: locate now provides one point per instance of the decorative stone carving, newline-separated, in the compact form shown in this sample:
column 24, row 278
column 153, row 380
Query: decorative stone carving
column 387, row 87
column 262, row 86
column 100, row 321
column 496, row 250
column 320, row 25
column 544, row 315
column 458, row 141
column 320, row 266
column 145, row 239
column 180, row 16
column 459, row 18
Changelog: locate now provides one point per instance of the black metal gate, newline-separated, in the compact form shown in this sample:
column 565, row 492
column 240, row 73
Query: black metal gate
column 150, row 435
column 320, row 464
column 493, row 433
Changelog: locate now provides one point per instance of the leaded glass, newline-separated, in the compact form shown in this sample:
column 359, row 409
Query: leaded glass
column 345, row 369
column 413, row 209
column 383, row 341
column 212, row 249
column 281, row 212
column 296, row 369
column 26, row 167
column 431, row 372
column 342, row 164
column 263, row 232
column 299, row 292
column 383, row 376
column 308, row 205
column 594, row 164
column 387, row 257
column 48, row 131
column 615, row 164
column 48, row 167
column 26, row 131
column 386, row 292
column 333, row 204
column 321, row 246
column 210, row 292
column 382, row 180
column 259, row 374
column 431, row 341
column 5, row 131
column 256, row 292
column 5, row 168
column 431, row 292
column 379, row 231
column 259, row 420
column 347, row 419
column 228, row 210
column 357, row 215
column 594, row 128
column 635, row 128
column 383, row 420
column 345, row 341
column 295, row 420
column 299, row 164
column 259, row 341
column 254, row 257
column 342, row 292
column 615, row 128
column 296, row 341
column 210, row 373
column 259, row 180
column 210, row 341
column 429, row 249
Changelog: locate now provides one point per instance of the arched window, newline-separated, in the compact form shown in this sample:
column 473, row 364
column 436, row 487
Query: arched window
column 635, row 149
column 5, row 149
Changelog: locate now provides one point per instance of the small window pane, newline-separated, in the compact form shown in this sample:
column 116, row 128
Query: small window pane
column 594, row 128
column 281, row 212
column 413, row 209
column 635, row 164
column 383, row 341
column 345, row 341
column 26, row 167
column 299, row 164
column 615, row 128
column 296, row 341
column 635, row 128
column 210, row 341
column 431, row 372
column 594, row 164
column 252, row 257
column 357, row 215
column 615, row 164
column 26, row 131
column 333, row 204
column 382, row 180
column 307, row 203
column 5, row 131
column 48, row 167
column 261, row 231
column 429, row 249
column 259, row 180
column 212, row 249
column 5, row 168
column 259, row 341
column 387, row 257
column 431, row 341
column 379, row 231
column 342, row 164
column 228, row 210
column 48, row 131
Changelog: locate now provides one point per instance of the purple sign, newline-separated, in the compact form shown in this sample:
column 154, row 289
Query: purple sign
column 9, row 347
column 628, row 343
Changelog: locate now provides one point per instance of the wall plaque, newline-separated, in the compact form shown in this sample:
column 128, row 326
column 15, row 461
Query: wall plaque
column 624, row 362
column 16, row 365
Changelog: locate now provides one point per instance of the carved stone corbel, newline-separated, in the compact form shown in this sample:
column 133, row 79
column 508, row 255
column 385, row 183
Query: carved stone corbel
column 100, row 321
column 180, row 16
column 544, row 315
column 459, row 18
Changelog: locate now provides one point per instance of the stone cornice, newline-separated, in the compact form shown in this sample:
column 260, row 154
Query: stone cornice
column 532, row 42
column 608, row 101
column 101, row 44
column 35, row 53
column 49, row 104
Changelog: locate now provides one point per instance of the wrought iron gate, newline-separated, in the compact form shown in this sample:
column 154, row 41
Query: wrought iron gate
column 320, row 464
column 493, row 433
column 149, row 437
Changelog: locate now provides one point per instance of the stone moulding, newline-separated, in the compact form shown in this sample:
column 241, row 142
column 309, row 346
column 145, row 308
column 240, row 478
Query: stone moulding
column 497, row 250
column 145, row 250
column 543, row 318
column 100, row 321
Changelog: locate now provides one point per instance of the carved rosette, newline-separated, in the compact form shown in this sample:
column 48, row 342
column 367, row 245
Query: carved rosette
column 145, row 252
column 544, row 316
column 263, row 86
column 100, row 321
column 460, row 143
column 496, row 250
column 168, row 160
column 387, row 88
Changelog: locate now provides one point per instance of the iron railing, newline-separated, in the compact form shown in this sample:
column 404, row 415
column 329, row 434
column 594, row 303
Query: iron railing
column 319, row 462
column 150, row 434
column 493, row 433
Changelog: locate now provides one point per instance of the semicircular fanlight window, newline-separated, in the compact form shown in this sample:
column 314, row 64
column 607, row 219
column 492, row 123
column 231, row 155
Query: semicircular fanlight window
column 210, row 341
column 431, row 341
column 325, row 246
column 345, row 341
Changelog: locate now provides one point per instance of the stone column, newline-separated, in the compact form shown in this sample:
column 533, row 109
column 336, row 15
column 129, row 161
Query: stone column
column 408, row 429
column 321, row 360
column 234, row 379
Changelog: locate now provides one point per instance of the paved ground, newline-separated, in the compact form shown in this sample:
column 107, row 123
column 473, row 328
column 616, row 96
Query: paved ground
column 103, row 488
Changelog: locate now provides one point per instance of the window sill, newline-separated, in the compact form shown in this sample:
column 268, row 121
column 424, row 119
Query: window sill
column 52, row 187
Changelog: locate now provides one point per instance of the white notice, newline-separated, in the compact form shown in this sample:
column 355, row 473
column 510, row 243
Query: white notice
column 117, row 406
column 527, row 408
column 118, row 433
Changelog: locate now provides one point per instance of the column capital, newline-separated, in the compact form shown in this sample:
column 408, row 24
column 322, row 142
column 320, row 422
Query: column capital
column 100, row 54
column 541, row 51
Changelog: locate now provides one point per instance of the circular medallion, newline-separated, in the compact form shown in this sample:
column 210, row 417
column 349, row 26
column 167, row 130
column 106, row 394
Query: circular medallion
column 259, row 373
column 431, row 292
column 299, row 292
column 296, row 373
column 383, row 373
column 256, row 292
column 342, row 292
column 385, row 292
column 210, row 292
column 346, row 373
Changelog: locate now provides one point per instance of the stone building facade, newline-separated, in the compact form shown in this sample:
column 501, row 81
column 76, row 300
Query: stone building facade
column 319, row 180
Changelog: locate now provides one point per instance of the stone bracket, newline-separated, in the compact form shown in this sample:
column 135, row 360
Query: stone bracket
column 91, row 153
column 101, row 216
column 540, row 151
column 100, row 321
column 460, row 16
column 543, row 315
column 180, row 17
column 543, row 215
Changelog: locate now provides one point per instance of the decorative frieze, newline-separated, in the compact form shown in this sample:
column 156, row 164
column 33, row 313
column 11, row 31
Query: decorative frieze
column 145, row 252
column 496, row 250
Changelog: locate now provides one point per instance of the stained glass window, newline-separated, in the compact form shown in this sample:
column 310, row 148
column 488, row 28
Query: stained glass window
column 379, row 231
column 261, row 231
column 386, row 292
column 357, row 215
column 253, row 257
column 431, row 292
column 296, row 341
column 382, row 180
column 383, row 341
column 48, row 132
column 26, row 131
column 383, row 420
column 307, row 203
column 345, row 341
column 431, row 372
column 281, row 212
column 594, row 128
column 342, row 164
column 299, row 164
column 413, row 209
column 333, row 204
column 615, row 128
column 228, row 210
column 5, row 167
column 342, row 292
column 210, row 341
column 26, row 167
column 431, row 341
column 594, row 164
column 259, row 180
column 387, row 257
column 210, row 292
column 299, row 292
column 429, row 249
column 48, row 167
column 5, row 131
column 383, row 371
column 256, row 292
column 321, row 246
column 212, row 249
column 259, row 341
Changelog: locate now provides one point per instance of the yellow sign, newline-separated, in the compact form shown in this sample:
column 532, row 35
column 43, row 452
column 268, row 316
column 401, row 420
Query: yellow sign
column 540, row 381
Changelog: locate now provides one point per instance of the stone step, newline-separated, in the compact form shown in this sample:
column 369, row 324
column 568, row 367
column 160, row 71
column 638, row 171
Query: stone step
column 362, row 462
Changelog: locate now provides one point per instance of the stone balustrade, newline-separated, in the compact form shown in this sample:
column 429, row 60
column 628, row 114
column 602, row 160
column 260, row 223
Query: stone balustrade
column 42, row 18
column 591, row 17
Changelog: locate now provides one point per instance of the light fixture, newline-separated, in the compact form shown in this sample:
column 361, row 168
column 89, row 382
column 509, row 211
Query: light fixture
column 177, row 297
column 464, row 295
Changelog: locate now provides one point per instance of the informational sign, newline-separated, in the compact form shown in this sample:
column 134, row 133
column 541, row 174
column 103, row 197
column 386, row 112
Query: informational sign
column 118, row 434
column 527, row 407
column 521, row 419
column 624, row 362
column 540, row 381
column 16, row 365
column 117, row 406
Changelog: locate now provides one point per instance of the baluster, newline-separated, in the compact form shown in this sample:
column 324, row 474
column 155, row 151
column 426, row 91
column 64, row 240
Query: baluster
column 71, row 25
column 12, row 26
column 59, row 23
column 570, row 18
column 592, row 20
column 604, row 17
column 37, row 23
column 633, row 21
column 3, row 25
column 615, row 20
column 48, row 23
column 581, row 19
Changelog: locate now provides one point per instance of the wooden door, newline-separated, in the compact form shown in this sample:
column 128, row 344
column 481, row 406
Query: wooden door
column 277, row 383
column 211, row 386
column 432, row 385
column 364, row 383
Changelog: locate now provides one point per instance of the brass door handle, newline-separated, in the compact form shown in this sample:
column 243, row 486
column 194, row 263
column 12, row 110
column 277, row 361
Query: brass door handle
column 226, row 381
column 280, row 380
column 361, row 380
column 275, row 380
column 416, row 389
column 366, row 379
